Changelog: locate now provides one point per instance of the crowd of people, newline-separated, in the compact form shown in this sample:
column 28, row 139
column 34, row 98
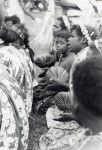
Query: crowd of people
column 68, row 91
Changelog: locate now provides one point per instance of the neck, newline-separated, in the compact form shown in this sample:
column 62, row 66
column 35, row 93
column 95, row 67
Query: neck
column 82, row 47
column 89, row 120
column 66, row 54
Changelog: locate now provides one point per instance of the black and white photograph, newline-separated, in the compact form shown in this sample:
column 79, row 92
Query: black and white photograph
column 50, row 74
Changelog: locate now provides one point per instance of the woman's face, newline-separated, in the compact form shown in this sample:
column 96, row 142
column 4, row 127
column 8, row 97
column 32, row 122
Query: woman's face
column 61, row 45
column 74, row 42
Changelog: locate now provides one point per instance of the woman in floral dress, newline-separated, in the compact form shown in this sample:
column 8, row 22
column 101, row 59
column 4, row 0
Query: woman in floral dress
column 16, row 89
column 14, row 125
column 16, row 57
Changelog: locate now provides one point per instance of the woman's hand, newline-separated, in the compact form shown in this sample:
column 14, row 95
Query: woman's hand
column 53, row 85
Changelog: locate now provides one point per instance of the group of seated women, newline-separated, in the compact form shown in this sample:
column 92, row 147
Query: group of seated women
column 70, row 88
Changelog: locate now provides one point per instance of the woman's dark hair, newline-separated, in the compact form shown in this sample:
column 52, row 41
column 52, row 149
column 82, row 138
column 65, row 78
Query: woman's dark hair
column 87, row 84
column 77, row 29
column 26, row 43
column 64, row 34
column 92, row 32
column 62, row 23
column 10, row 36
column 14, row 19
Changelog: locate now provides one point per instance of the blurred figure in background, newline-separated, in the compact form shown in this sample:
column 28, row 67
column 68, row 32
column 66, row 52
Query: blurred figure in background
column 11, row 20
column 87, row 101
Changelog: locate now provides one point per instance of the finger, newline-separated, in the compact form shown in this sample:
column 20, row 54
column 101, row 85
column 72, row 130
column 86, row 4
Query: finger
column 60, row 119
column 57, row 119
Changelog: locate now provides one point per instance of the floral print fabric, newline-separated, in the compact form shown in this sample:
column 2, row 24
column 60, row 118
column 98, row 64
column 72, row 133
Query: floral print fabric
column 59, row 137
column 14, row 121
column 16, row 90
column 21, row 69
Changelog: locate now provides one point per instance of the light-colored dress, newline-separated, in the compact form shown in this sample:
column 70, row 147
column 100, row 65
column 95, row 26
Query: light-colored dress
column 14, row 125
column 67, row 135
column 86, row 142
column 16, row 93
column 21, row 69
column 59, row 133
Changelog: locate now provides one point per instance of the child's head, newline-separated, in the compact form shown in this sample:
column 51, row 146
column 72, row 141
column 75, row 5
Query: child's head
column 78, row 40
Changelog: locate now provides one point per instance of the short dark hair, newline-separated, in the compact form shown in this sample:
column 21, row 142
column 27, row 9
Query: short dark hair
column 87, row 84
column 8, row 35
column 64, row 34
column 92, row 32
column 77, row 29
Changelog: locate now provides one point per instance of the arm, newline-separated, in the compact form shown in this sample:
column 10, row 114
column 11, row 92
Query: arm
column 58, row 85
column 63, row 85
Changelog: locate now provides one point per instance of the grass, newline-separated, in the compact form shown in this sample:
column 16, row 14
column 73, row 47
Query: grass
column 37, row 128
column 37, row 124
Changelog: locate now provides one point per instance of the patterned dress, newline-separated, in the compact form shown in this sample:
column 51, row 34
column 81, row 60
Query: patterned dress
column 59, row 133
column 67, row 135
column 85, row 142
column 16, row 89
column 21, row 69
column 13, row 116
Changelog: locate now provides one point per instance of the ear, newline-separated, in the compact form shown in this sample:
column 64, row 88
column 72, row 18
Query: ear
column 83, row 40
